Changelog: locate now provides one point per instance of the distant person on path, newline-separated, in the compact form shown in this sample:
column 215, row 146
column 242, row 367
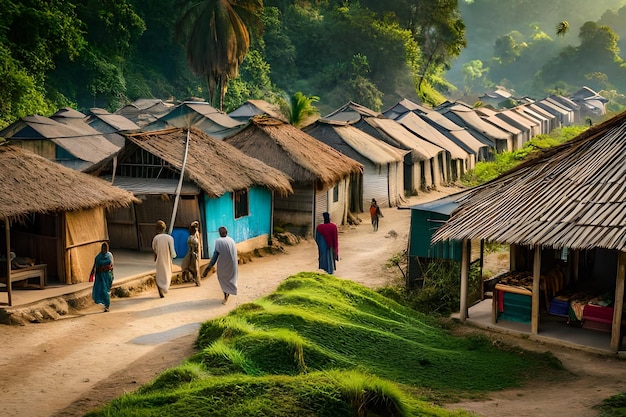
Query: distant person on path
column 191, row 261
column 164, row 252
column 225, row 255
column 375, row 214
column 327, row 239
column 103, row 271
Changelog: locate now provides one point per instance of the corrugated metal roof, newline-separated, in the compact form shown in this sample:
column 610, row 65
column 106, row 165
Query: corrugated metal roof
column 139, row 186
column 572, row 195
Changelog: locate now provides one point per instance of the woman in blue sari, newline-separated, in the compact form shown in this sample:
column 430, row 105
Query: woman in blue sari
column 103, row 270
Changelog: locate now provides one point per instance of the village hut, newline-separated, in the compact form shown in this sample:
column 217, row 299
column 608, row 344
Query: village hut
column 563, row 215
column 591, row 103
column 554, row 120
column 145, row 110
column 111, row 124
column 53, row 216
column 423, row 167
column 323, row 178
column 64, row 138
column 458, row 159
column 518, row 136
column 464, row 115
column 184, row 175
column 565, row 116
column 252, row 108
column 528, row 114
column 199, row 115
column 383, row 165
column 459, row 135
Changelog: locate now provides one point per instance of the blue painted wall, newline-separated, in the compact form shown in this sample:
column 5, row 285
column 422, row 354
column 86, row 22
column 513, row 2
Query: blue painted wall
column 221, row 212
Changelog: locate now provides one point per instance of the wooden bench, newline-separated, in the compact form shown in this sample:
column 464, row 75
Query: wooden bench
column 35, row 271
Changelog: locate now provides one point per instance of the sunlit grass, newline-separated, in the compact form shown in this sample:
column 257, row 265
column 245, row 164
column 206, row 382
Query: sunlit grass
column 322, row 346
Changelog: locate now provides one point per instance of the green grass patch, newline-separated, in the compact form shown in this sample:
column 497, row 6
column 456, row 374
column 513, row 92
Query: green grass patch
column 322, row 346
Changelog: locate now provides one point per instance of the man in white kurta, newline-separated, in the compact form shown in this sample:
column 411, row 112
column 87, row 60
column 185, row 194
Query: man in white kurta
column 225, row 255
column 164, row 252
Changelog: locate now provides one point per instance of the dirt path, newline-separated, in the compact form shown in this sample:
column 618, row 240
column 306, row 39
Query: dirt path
column 71, row 366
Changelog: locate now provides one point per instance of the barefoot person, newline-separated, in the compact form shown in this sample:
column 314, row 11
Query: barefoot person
column 103, row 271
column 225, row 255
column 164, row 252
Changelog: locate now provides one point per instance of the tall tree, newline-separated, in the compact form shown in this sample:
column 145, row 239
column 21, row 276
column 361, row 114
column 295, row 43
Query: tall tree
column 217, row 38
column 439, row 31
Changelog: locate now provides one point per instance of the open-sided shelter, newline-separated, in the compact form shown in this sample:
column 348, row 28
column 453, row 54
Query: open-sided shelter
column 321, row 176
column 184, row 175
column 563, row 213
column 53, row 215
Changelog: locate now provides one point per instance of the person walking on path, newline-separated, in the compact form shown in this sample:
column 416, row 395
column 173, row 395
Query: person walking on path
column 225, row 255
column 375, row 214
column 103, row 272
column 164, row 252
column 327, row 239
column 191, row 261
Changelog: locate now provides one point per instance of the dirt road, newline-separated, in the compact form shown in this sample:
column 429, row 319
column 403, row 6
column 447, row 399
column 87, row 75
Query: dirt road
column 68, row 367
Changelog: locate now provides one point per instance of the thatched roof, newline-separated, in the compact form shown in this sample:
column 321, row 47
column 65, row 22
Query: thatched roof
column 33, row 184
column 215, row 166
column 70, row 133
column 354, row 142
column 292, row 151
column 252, row 108
column 572, row 195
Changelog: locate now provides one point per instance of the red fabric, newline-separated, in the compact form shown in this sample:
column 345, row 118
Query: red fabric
column 598, row 313
column 331, row 236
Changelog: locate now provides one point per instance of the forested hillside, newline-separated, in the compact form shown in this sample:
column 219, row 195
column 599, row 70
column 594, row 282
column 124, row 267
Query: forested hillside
column 106, row 53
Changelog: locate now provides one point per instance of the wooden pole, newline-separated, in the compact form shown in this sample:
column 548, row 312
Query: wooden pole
column 534, row 318
column 618, row 303
column 464, row 279
column 7, row 231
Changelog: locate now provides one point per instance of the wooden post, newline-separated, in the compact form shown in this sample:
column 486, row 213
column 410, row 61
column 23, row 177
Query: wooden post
column 618, row 303
column 7, row 232
column 534, row 315
column 464, row 278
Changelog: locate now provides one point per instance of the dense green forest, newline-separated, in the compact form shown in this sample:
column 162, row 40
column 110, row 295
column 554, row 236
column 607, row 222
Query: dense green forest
column 106, row 53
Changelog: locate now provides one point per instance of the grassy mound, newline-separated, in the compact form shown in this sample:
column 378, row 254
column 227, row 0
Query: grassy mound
column 322, row 346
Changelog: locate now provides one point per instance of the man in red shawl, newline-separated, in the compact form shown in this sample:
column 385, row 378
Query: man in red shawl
column 327, row 239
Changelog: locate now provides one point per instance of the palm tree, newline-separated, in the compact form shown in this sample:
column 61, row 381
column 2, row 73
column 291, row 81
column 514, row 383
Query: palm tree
column 300, row 108
column 562, row 28
column 217, row 38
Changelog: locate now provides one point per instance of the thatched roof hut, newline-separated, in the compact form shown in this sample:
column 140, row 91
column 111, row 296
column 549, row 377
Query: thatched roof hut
column 294, row 152
column 572, row 195
column 33, row 184
column 324, row 179
column 59, row 214
column 214, row 165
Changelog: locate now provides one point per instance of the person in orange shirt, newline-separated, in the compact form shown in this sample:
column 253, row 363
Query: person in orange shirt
column 375, row 214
